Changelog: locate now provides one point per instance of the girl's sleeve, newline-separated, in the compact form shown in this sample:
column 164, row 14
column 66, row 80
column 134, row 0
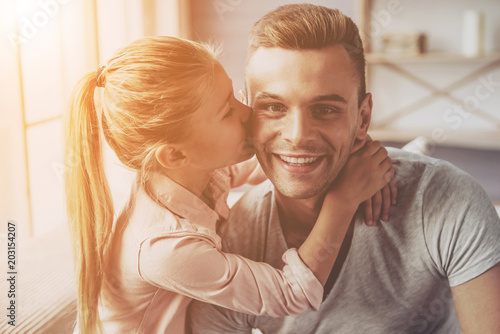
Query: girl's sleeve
column 193, row 265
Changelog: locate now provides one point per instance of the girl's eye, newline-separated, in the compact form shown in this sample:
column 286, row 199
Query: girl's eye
column 230, row 112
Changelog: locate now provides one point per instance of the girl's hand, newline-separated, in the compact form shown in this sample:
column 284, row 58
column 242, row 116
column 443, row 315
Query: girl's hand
column 365, row 173
column 380, row 203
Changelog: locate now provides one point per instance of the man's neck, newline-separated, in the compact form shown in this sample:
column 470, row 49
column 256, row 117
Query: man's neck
column 298, row 216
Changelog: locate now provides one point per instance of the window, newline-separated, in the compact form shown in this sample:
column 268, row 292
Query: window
column 46, row 47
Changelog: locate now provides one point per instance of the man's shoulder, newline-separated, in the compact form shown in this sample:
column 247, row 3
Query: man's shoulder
column 432, row 186
column 438, row 190
column 417, row 166
column 411, row 158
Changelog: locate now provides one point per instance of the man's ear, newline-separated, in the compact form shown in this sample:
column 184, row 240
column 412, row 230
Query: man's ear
column 365, row 116
column 243, row 96
column 171, row 156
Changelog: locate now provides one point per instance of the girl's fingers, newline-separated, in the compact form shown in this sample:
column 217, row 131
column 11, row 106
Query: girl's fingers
column 380, row 154
column 389, row 175
column 372, row 148
column 386, row 202
column 386, row 164
column 367, row 208
column 376, row 206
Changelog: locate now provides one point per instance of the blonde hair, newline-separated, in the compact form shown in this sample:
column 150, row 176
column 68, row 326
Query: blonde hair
column 307, row 26
column 152, row 89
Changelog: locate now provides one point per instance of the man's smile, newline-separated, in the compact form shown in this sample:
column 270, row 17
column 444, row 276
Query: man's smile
column 299, row 164
column 298, row 161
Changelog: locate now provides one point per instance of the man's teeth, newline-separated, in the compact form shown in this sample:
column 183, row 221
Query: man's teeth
column 298, row 161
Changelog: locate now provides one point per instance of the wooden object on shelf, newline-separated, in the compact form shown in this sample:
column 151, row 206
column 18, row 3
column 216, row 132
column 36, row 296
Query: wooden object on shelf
column 403, row 43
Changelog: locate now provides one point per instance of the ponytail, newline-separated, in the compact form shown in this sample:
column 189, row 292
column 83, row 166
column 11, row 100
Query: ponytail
column 152, row 91
column 89, row 203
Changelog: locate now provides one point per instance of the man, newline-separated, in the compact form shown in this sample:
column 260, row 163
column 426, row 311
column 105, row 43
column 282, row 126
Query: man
column 431, row 267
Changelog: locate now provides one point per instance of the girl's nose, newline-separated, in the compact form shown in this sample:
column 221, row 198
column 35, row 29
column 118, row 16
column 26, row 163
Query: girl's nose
column 245, row 112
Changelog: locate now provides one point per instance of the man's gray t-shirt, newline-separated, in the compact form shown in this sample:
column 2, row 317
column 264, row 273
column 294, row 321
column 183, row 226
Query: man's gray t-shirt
column 396, row 278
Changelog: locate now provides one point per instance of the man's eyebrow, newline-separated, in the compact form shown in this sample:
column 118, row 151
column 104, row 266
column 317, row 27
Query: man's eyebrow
column 330, row 97
column 320, row 98
column 264, row 95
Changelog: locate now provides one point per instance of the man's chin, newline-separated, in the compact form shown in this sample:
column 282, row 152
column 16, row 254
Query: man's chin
column 298, row 190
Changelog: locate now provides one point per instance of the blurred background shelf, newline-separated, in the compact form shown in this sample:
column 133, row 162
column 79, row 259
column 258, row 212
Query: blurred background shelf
column 430, row 57
column 433, row 90
column 480, row 140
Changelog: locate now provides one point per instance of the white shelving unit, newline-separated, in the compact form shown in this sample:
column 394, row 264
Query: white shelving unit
column 398, row 64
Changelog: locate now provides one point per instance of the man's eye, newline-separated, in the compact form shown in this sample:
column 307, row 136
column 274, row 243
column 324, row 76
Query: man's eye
column 324, row 110
column 275, row 108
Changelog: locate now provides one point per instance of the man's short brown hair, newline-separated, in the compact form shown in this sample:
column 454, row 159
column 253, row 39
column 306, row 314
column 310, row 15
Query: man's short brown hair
column 307, row 26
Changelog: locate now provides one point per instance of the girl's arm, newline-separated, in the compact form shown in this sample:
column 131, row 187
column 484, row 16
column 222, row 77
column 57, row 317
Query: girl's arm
column 193, row 265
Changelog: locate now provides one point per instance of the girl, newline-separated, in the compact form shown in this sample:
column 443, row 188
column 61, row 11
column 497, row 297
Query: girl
column 168, row 112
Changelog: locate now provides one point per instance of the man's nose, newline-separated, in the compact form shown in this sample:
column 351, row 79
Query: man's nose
column 297, row 127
